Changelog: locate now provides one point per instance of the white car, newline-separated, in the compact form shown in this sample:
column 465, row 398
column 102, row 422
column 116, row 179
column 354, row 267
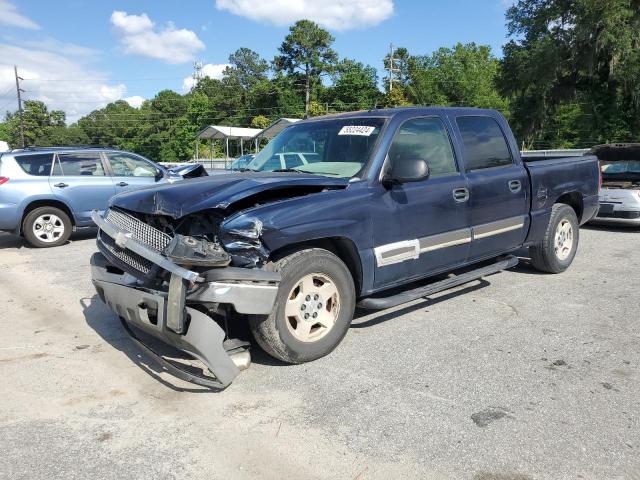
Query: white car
column 620, row 192
column 283, row 161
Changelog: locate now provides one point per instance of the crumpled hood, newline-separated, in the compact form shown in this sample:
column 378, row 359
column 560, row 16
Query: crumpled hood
column 220, row 191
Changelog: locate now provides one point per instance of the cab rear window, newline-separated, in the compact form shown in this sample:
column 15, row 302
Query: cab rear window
column 38, row 164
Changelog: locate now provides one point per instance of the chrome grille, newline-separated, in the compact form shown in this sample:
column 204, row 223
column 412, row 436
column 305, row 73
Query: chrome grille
column 128, row 257
column 140, row 231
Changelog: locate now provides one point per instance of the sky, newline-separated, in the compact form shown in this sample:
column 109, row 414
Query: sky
column 79, row 55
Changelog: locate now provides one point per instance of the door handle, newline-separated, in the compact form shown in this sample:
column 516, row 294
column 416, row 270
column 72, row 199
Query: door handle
column 61, row 185
column 122, row 184
column 515, row 186
column 461, row 195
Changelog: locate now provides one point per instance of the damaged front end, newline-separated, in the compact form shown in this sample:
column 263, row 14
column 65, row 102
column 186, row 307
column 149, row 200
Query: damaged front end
column 175, row 280
column 241, row 238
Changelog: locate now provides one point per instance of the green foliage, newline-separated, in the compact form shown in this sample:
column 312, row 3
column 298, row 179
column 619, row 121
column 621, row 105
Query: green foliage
column 41, row 126
column 247, row 67
column 571, row 71
column 306, row 49
column 460, row 76
column 395, row 98
column 316, row 109
column 355, row 87
column 260, row 121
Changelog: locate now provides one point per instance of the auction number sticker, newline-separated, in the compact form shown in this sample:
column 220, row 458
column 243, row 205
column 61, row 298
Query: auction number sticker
column 361, row 130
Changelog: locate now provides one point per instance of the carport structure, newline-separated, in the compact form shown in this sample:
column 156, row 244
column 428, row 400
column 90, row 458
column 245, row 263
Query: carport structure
column 225, row 133
column 274, row 129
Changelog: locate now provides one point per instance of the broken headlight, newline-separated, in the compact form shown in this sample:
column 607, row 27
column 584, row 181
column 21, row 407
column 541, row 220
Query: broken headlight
column 241, row 238
column 192, row 251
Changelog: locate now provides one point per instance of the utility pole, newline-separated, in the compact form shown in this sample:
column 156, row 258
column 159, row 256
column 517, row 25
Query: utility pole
column 197, row 73
column 392, row 66
column 19, row 91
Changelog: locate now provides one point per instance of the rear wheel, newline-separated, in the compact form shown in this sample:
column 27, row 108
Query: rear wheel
column 313, row 309
column 558, row 248
column 46, row 227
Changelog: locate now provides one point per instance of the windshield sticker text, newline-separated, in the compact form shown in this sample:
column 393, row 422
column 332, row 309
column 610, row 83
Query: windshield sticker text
column 356, row 130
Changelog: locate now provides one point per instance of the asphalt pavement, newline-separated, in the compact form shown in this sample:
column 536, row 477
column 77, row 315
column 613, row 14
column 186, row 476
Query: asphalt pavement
column 519, row 376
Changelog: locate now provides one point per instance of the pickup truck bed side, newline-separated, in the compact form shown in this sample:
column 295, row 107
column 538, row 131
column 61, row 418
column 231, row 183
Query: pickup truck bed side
column 569, row 180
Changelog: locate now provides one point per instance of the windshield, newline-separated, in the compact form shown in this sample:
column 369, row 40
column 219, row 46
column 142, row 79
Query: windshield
column 335, row 148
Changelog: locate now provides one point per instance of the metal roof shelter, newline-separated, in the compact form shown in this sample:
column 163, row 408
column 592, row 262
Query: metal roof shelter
column 223, row 132
column 276, row 127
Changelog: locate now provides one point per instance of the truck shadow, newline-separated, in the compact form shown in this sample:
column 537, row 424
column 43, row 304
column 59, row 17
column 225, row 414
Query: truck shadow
column 107, row 325
column 366, row 318
column 623, row 229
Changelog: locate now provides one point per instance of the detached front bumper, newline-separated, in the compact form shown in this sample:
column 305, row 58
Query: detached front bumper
column 169, row 315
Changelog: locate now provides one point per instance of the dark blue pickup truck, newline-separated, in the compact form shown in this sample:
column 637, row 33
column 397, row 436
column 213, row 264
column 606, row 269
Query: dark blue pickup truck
column 369, row 203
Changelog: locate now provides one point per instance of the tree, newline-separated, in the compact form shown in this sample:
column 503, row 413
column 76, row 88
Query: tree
column 395, row 98
column 247, row 66
column 464, row 75
column 41, row 126
column 114, row 125
column 307, row 49
column 580, row 57
column 355, row 86
column 260, row 121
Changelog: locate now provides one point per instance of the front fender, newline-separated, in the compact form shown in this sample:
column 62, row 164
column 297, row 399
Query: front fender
column 335, row 215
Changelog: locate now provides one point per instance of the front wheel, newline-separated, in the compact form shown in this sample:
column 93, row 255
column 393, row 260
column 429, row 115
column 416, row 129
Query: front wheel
column 313, row 310
column 560, row 243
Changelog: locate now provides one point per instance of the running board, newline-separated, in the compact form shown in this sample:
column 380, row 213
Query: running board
column 381, row 303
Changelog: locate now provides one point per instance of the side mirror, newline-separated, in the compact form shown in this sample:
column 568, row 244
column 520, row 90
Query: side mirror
column 159, row 175
column 407, row 170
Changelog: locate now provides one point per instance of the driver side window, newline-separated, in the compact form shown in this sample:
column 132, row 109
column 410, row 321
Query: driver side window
column 425, row 139
column 124, row 165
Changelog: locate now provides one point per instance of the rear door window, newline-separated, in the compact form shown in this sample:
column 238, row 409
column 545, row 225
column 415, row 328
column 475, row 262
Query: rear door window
column 38, row 164
column 79, row 164
column 484, row 143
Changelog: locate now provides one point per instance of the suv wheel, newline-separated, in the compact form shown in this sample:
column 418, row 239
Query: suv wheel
column 313, row 309
column 46, row 227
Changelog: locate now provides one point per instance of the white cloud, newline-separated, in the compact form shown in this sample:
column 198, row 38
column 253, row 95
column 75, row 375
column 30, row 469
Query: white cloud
column 136, row 101
column 62, row 80
column 140, row 36
column 9, row 16
column 211, row 70
column 333, row 14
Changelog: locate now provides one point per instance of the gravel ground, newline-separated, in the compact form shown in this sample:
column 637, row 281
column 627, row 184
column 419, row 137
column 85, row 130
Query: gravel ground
column 519, row 376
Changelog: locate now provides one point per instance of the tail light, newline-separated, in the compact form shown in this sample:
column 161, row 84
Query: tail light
column 4, row 180
column 599, row 177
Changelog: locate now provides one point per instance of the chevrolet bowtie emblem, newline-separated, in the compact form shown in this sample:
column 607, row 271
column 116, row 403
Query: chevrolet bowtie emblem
column 121, row 239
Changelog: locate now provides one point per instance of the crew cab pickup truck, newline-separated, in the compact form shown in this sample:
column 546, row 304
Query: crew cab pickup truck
column 390, row 197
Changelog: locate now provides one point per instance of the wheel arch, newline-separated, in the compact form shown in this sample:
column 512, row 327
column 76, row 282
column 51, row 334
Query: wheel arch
column 46, row 203
column 343, row 247
column 574, row 200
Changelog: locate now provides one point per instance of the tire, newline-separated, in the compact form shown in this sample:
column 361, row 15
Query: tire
column 557, row 250
column 285, row 334
column 46, row 227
